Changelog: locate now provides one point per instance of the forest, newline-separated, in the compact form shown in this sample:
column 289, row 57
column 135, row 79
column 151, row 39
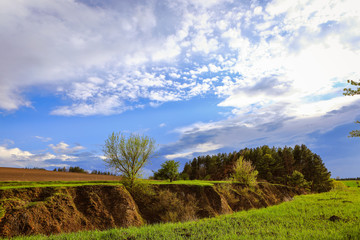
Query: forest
column 275, row 165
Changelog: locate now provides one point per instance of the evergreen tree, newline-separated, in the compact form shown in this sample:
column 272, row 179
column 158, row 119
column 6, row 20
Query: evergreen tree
column 274, row 165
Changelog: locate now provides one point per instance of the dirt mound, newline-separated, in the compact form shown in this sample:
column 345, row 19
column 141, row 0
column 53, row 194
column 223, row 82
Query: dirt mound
column 53, row 210
column 173, row 203
column 20, row 174
column 263, row 195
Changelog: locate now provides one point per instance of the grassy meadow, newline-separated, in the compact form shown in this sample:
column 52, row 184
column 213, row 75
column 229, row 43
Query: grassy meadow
column 330, row 215
column 351, row 183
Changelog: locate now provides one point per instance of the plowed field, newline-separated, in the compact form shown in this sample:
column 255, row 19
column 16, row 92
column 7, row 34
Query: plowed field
column 34, row 175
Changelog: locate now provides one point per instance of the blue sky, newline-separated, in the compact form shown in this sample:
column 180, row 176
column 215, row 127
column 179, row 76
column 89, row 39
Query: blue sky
column 199, row 76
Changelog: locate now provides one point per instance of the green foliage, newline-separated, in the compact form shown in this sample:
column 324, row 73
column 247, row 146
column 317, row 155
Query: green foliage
column 184, row 176
column 169, row 170
column 77, row 169
column 352, row 92
column 244, row 172
column 338, row 187
column 297, row 180
column 97, row 172
column 274, row 165
column 128, row 155
column 63, row 169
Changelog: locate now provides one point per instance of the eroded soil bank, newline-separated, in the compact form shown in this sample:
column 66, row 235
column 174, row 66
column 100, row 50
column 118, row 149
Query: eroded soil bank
column 50, row 210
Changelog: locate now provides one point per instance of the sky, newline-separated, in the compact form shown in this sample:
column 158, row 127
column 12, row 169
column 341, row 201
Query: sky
column 199, row 76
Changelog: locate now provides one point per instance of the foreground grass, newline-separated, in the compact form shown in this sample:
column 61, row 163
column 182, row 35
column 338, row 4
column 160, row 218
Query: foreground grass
column 332, row 215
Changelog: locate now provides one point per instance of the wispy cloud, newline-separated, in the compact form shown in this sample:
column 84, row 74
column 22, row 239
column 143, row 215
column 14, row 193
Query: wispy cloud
column 238, row 132
column 65, row 148
column 43, row 139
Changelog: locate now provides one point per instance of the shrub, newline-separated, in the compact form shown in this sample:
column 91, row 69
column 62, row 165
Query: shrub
column 297, row 180
column 244, row 172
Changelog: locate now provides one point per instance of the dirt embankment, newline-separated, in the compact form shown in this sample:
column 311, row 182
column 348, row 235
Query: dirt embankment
column 172, row 203
column 51, row 210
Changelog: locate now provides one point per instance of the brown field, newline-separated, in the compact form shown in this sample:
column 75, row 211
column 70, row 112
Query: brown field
column 34, row 175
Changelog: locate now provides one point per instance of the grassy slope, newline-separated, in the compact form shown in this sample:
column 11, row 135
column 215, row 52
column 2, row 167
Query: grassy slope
column 306, row 217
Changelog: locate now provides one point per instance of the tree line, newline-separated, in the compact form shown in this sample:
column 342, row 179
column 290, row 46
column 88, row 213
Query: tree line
column 78, row 169
column 275, row 165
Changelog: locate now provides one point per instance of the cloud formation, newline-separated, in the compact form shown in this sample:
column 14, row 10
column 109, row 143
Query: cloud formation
column 106, row 58
column 279, row 65
column 59, row 155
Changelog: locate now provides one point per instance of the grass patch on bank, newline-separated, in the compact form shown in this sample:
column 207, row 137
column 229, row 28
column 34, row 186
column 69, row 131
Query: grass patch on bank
column 185, row 182
column 313, row 216
column 12, row 185
column 15, row 184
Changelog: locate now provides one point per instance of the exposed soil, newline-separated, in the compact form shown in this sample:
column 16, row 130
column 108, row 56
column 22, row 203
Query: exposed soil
column 49, row 210
column 172, row 203
column 19, row 174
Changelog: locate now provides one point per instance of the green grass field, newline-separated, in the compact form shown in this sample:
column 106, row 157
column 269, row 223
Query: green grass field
column 351, row 183
column 331, row 215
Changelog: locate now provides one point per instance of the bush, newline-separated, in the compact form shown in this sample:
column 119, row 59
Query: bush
column 297, row 180
column 244, row 172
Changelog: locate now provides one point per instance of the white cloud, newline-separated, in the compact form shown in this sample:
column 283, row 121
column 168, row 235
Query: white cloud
column 179, row 155
column 15, row 157
column 202, row 43
column 60, row 155
column 65, row 148
column 174, row 75
column 106, row 105
column 43, row 139
column 107, row 60
column 214, row 68
column 199, row 148
column 269, row 128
